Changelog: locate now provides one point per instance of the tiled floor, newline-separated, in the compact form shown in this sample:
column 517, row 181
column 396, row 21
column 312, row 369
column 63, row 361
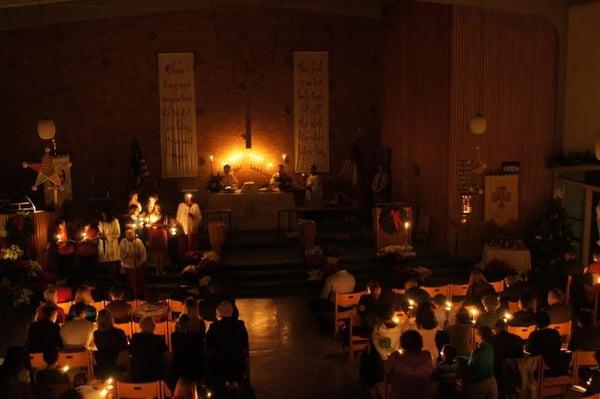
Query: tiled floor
column 290, row 359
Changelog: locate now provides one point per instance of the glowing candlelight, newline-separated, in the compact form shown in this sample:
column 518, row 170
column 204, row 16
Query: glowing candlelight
column 65, row 368
column 283, row 157
column 400, row 351
column 474, row 312
column 411, row 304
column 173, row 231
column 448, row 305
column 103, row 393
column 109, row 381
column 406, row 225
column 208, row 394
column 507, row 317
column 396, row 319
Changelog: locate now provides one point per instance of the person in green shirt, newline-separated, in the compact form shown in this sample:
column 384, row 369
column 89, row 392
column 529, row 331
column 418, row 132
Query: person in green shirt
column 480, row 368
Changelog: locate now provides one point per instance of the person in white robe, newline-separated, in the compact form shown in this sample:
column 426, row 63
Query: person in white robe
column 228, row 179
column 190, row 217
column 109, row 232
column 313, row 196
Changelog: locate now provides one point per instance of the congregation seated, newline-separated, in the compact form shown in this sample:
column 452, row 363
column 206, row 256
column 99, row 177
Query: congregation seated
column 587, row 338
column 426, row 325
column 227, row 343
column 50, row 299
column 525, row 316
column 110, row 342
column 386, row 334
column 459, row 332
column 120, row 309
column 14, row 369
column 558, row 310
column 154, row 307
column 413, row 292
column 44, row 333
column 369, row 305
column 51, row 375
column 409, row 373
column 480, row 367
column 491, row 310
column 148, row 353
column 478, row 288
column 84, row 295
column 446, row 373
column 546, row 342
column 77, row 333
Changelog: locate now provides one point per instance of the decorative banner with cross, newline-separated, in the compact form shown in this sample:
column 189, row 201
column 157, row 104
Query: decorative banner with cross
column 502, row 198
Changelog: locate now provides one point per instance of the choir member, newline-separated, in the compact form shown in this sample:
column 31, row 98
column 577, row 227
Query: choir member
column 189, row 216
column 281, row 180
column 109, row 232
column 133, row 259
column 134, row 200
column 228, row 180
column 87, row 249
column 313, row 195
column 157, row 239
column 64, row 249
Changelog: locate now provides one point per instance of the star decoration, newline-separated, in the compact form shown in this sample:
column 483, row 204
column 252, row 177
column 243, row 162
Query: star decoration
column 46, row 170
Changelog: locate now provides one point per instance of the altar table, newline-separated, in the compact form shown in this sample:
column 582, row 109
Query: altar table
column 253, row 211
column 520, row 259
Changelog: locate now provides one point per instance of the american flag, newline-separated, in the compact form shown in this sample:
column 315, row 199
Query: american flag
column 139, row 169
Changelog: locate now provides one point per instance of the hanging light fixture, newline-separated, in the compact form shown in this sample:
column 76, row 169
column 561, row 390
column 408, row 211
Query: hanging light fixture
column 478, row 123
column 46, row 128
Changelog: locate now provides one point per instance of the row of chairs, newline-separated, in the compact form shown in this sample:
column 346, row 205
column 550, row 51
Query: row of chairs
column 174, row 305
column 564, row 329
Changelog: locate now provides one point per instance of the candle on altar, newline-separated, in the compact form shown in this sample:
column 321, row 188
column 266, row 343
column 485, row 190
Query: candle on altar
column 212, row 163
column 474, row 313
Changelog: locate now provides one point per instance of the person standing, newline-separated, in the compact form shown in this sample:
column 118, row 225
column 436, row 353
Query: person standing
column 228, row 180
column 281, row 180
column 108, row 242
column 133, row 258
column 313, row 196
column 157, row 239
column 381, row 185
column 189, row 217
column 480, row 368
column 87, row 249
column 134, row 199
column 65, row 250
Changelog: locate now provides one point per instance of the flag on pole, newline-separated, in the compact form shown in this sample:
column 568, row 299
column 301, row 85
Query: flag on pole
column 139, row 169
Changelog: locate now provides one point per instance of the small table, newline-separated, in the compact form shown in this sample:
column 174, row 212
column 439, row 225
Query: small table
column 519, row 259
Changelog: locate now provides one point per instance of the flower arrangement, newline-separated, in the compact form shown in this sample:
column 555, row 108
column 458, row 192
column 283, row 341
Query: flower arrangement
column 12, row 253
column 19, row 277
column 210, row 256
column 394, row 250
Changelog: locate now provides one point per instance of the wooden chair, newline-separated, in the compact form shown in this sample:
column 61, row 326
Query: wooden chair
column 37, row 360
column 349, row 301
column 498, row 286
column 134, row 305
column 512, row 306
column 175, row 306
column 555, row 386
column 77, row 360
column 126, row 327
column 582, row 359
column 522, row 332
column 165, row 390
column 357, row 343
column 127, row 390
column 50, row 391
column 458, row 290
column 170, row 330
column 65, row 306
column 433, row 291
column 98, row 305
column 564, row 329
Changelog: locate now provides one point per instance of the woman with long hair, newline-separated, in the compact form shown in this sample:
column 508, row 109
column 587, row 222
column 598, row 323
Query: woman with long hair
column 157, row 238
column 427, row 326
column 188, row 349
column 83, row 295
column 110, row 342
column 191, row 309
column 478, row 288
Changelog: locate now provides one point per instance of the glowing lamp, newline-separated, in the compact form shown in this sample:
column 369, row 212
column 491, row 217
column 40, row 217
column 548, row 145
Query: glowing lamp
column 103, row 393
column 406, row 225
column 396, row 319
column 448, row 305
column 65, row 369
column 208, row 394
column 478, row 124
column 507, row 317
column 173, row 231
column 411, row 304
column 46, row 129
column 211, row 158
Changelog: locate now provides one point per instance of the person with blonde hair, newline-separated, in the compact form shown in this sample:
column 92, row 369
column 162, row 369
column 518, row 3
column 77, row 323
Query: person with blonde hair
column 83, row 295
column 50, row 300
column 110, row 341
column 191, row 309
column 148, row 353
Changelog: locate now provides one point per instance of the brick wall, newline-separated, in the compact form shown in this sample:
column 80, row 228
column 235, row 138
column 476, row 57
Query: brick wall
column 98, row 81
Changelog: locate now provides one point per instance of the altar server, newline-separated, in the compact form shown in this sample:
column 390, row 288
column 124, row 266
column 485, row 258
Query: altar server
column 313, row 195
column 108, row 242
column 281, row 180
column 228, row 179
column 189, row 216
column 133, row 259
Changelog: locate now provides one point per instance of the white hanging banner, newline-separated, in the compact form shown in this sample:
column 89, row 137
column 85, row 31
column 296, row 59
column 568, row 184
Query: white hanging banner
column 311, row 110
column 177, row 97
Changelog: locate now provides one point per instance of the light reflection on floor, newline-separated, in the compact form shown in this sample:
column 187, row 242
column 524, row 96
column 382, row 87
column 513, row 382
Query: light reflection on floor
column 289, row 358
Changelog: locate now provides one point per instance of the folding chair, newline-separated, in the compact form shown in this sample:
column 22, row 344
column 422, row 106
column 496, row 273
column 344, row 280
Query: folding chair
column 582, row 359
column 433, row 291
column 127, row 390
column 349, row 301
column 98, row 305
column 357, row 343
column 522, row 332
column 498, row 286
column 176, row 307
column 65, row 306
column 170, row 330
column 458, row 291
column 127, row 328
column 77, row 360
column 50, row 391
column 564, row 329
column 134, row 305
column 37, row 360
column 555, row 386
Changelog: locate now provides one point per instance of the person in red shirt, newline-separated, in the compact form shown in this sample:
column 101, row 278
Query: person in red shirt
column 65, row 249
column 50, row 300
column 87, row 249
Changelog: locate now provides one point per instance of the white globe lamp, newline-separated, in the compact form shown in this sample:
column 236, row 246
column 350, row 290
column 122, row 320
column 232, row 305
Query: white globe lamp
column 478, row 124
column 46, row 129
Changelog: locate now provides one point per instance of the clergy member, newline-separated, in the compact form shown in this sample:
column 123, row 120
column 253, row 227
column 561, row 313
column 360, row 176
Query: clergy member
column 228, row 179
column 133, row 258
column 281, row 180
column 189, row 216
column 313, row 195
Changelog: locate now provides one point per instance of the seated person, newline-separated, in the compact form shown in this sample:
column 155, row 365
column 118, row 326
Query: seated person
column 83, row 295
column 587, row 338
column 281, row 180
column 14, row 369
column 480, row 367
column 460, row 331
column 506, row 345
column 51, row 375
column 414, row 292
column 557, row 310
column 546, row 342
column 387, row 332
column 525, row 316
column 148, row 353
column 188, row 349
column 154, row 307
column 445, row 373
column 478, row 288
column 44, row 334
column 342, row 282
column 409, row 373
column 120, row 309
column 77, row 333
column 514, row 288
column 442, row 314
column 228, row 180
column 110, row 342
column 369, row 305
column 491, row 308
column 50, row 299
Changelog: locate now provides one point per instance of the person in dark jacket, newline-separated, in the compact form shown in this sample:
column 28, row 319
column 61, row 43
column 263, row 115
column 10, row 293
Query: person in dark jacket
column 188, row 350
column 110, row 341
column 51, row 375
column 44, row 334
column 412, row 291
column 478, row 288
column 587, row 338
column 525, row 316
column 120, row 309
column 148, row 353
column 546, row 342
column 227, row 341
